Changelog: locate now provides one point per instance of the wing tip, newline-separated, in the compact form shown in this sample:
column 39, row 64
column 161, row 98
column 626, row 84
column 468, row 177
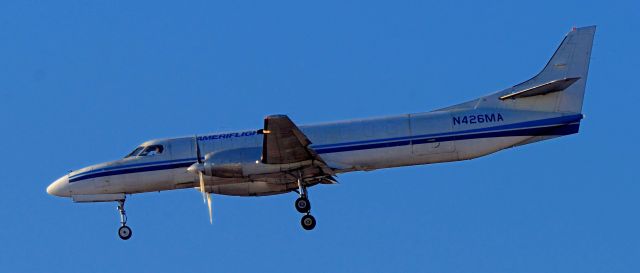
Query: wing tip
column 275, row 116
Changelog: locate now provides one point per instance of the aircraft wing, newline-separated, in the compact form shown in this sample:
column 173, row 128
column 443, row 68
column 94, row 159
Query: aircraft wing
column 284, row 143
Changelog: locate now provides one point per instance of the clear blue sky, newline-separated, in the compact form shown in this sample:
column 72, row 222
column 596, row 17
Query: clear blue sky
column 83, row 82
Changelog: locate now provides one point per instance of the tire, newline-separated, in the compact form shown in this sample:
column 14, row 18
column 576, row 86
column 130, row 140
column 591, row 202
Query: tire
column 308, row 222
column 125, row 232
column 303, row 205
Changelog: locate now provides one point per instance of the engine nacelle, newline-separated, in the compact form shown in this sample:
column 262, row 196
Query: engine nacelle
column 238, row 170
column 257, row 188
column 252, row 189
column 228, row 170
column 237, row 163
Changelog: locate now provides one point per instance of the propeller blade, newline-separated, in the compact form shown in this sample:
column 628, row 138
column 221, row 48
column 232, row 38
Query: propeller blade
column 202, row 188
column 206, row 197
column 209, row 203
column 198, row 156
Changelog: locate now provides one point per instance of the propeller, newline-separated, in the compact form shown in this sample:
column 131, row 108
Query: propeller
column 199, row 167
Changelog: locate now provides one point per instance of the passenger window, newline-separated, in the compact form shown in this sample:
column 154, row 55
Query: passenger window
column 152, row 150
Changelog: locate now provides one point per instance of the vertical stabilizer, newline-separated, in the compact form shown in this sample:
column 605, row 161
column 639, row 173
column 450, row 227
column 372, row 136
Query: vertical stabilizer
column 559, row 87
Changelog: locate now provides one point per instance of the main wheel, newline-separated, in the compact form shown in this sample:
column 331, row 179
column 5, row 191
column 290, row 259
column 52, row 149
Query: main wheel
column 308, row 222
column 124, row 232
column 303, row 205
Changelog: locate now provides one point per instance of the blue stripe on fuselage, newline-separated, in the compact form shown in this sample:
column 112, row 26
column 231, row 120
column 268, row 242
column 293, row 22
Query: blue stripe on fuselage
column 84, row 176
column 539, row 131
column 131, row 165
column 534, row 123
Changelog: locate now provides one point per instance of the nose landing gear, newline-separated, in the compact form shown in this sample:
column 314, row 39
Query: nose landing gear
column 124, row 231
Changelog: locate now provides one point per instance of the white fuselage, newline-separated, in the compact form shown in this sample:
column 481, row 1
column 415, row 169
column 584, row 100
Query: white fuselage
column 355, row 145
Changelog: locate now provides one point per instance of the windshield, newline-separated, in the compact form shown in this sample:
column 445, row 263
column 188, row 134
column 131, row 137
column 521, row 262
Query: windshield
column 135, row 152
column 146, row 151
column 152, row 150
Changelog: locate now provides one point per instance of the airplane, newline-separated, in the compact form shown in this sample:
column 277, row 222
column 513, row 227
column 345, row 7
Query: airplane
column 282, row 157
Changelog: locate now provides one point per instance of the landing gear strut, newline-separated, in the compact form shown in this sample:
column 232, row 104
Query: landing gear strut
column 304, row 206
column 124, row 231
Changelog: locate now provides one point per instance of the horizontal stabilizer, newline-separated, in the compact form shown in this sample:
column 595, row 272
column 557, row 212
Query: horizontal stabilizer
column 543, row 89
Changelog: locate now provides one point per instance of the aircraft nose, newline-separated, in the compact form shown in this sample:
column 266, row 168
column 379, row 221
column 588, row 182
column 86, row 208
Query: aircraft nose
column 59, row 187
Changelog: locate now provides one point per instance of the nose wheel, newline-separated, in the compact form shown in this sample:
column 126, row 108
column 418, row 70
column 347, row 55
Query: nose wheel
column 124, row 232
column 303, row 205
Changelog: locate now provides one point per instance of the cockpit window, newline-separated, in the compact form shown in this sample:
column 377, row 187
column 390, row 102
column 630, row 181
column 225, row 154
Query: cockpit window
column 152, row 150
column 135, row 152
column 146, row 151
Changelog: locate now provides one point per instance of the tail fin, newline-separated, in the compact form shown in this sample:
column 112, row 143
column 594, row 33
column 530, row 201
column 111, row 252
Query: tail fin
column 559, row 87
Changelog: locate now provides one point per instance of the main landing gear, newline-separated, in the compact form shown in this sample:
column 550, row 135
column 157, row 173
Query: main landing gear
column 124, row 231
column 304, row 206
